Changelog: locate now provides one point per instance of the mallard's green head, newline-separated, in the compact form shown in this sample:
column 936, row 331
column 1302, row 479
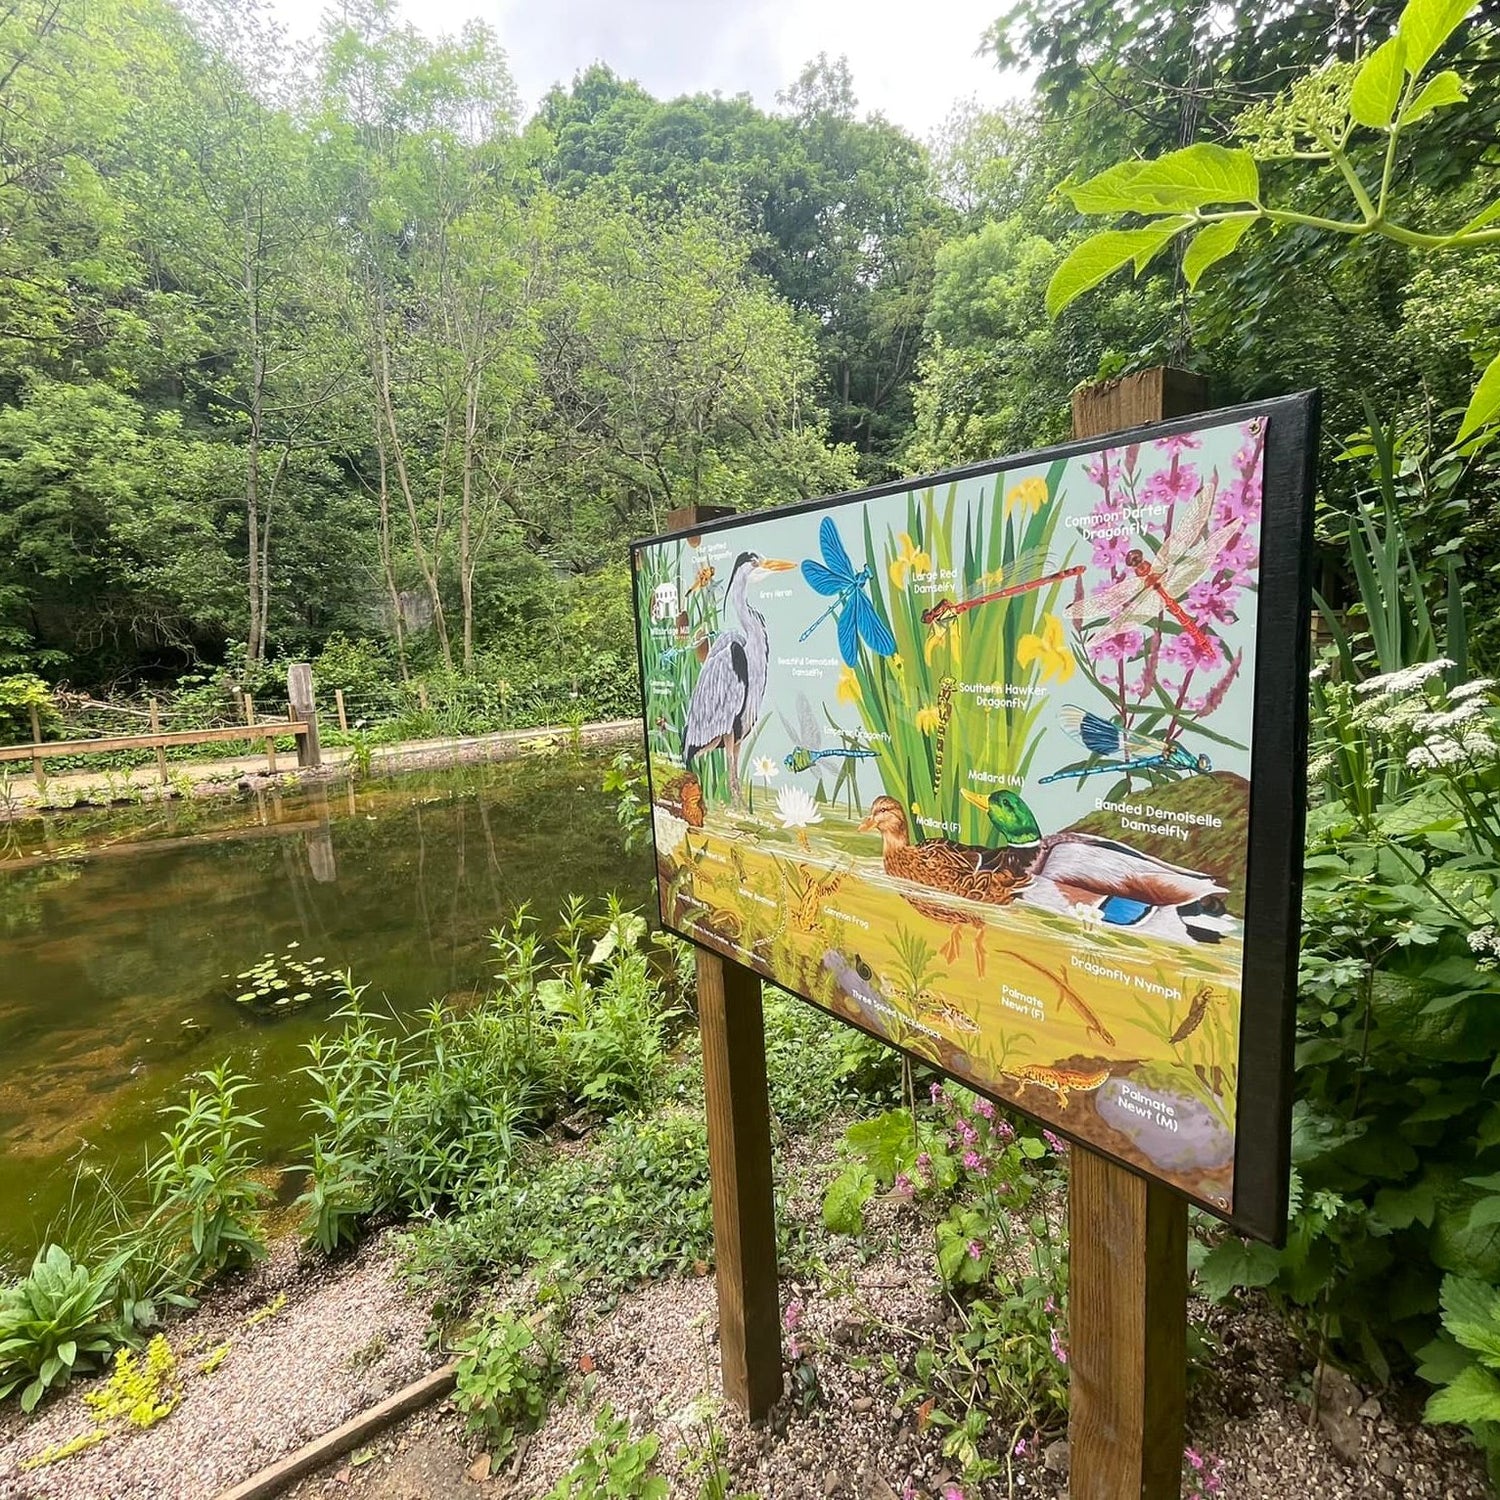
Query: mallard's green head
column 1009, row 816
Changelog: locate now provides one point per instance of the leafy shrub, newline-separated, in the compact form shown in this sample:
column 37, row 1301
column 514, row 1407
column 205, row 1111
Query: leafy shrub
column 506, row 1374
column 632, row 1207
column 817, row 1070
column 202, row 1181
column 612, row 1465
column 56, row 1322
column 19, row 694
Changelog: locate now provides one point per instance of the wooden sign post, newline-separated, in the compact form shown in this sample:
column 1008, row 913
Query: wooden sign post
column 1127, row 1236
column 739, row 1159
column 947, row 632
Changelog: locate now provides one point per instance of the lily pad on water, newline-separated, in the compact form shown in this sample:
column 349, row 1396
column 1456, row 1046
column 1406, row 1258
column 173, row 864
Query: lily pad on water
column 284, row 982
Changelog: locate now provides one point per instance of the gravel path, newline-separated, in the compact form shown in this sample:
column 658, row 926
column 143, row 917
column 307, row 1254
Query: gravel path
column 344, row 1337
column 347, row 1335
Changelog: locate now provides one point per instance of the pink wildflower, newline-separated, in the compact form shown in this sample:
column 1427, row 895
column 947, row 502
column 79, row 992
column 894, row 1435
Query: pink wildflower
column 1049, row 1306
column 1059, row 1349
column 1169, row 486
column 976, row 1249
column 973, row 1161
column 936, row 1091
column 904, row 1186
column 1110, row 550
column 985, row 1108
column 1212, row 600
column 1118, row 645
column 791, row 1319
column 924, row 1162
column 1179, row 442
column 1239, row 554
column 794, row 1348
column 953, row 1492
column 1186, row 650
column 967, row 1131
column 1020, row 1449
column 1056, row 1142
column 909, row 1490
column 1193, row 1456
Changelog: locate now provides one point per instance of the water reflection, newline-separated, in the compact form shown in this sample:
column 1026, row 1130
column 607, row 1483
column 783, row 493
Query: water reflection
column 120, row 935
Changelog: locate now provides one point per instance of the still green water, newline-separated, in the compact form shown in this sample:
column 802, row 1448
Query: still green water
column 116, row 931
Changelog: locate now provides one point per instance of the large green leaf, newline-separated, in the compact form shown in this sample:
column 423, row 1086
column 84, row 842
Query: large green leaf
column 1378, row 85
column 1110, row 192
column 1484, row 406
column 1471, row 1313
column 1103, row 254
column 1473, row 1397
column 1235, row 1263
column 1196, row 177
column 1425, row 25
column 1444, row 89
column 1211, row 244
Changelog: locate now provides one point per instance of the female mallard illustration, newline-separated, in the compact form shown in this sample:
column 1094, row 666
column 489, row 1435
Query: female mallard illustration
column 1103, row 879
column 976, row 874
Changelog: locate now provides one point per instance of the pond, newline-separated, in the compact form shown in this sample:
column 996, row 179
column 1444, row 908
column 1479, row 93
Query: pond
column 121, row 934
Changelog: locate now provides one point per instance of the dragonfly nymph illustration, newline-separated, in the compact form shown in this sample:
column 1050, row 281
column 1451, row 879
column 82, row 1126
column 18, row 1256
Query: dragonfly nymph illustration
column 1122, row 749
column 835, row 578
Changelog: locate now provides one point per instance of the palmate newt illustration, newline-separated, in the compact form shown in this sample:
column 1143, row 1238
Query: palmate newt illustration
column 1058, row 1081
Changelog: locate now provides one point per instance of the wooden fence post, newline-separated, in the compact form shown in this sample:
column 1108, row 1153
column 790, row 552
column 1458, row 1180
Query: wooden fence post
column 270, row 740
column 38, row 775
column 161, row 754
column 1127, row 1236
column 338, row 698
column 299, row 690
column 739, row 1159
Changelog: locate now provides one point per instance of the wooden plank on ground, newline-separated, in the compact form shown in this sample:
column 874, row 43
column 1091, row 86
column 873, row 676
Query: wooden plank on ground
column 273, row 1480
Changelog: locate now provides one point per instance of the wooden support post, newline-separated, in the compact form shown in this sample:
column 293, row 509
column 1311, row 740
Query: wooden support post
column 161, row 754
column 304, row 706
column 739, row 1160
column 270, row 739
column 1127, row 1236
column 338, row 698
column 38, row 774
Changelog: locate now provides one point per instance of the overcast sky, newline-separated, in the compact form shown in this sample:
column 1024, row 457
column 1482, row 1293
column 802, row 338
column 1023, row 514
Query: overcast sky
column 910, row 62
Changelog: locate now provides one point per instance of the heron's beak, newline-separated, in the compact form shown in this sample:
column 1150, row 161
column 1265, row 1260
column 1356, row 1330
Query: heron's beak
column 974, row 798
column 776, row 565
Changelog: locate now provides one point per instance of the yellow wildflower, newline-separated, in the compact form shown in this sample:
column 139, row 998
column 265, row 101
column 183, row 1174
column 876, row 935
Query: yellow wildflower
column 848, row 688
column 927, row 719
column 908, row 561
column 936, row 636
column 1049, row 651
column 1030, row 493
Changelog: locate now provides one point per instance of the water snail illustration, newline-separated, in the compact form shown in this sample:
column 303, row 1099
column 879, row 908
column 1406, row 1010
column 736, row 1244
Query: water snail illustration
column 731, row 685
column 835, row 578
column 1122, row 749
column 1120, row 886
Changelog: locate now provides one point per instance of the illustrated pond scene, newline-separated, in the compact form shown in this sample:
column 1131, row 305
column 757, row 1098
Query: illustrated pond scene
column 749, row 752
column 854, row 765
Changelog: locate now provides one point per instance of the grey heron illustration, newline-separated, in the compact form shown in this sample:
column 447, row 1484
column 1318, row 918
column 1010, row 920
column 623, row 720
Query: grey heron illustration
column 731, row 685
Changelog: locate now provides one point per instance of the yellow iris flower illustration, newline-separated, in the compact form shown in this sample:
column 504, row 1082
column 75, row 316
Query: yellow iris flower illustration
column 927, row 719
column 1049, row 651
column 935, row 637
column 908, row 561
column 1030, row 493
column 848, row 688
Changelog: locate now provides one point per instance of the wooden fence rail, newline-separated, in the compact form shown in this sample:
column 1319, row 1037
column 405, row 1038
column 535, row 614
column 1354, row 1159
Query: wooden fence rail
column 301, row 724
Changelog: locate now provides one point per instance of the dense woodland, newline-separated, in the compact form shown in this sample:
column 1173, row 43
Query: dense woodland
column 329, row 344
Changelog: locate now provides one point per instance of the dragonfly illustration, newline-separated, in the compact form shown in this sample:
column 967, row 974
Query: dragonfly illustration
column 671, row 654
column 1028, row 569
column 836, row 579
column 809, row 737
column 1123, row 749
column 1153, row 584
column 802, row 759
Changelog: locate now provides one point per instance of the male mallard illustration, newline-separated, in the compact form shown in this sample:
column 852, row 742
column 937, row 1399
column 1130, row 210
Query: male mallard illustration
column 977, row 874
column 1102, row 878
